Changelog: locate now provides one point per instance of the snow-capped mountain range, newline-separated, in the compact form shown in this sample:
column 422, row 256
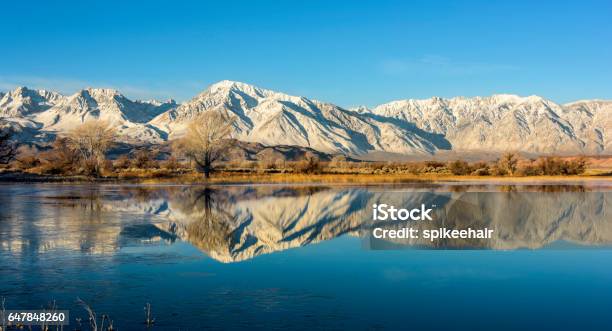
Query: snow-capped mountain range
column 482, row 124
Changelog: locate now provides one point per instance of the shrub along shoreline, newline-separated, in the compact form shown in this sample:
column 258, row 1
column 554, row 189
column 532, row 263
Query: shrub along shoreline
column 58, row 164
column 312, row 171
column 204, row 155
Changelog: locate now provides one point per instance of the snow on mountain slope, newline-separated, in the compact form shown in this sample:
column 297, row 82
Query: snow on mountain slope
column 51, row 112
column 23, row 101
column 591, row 119
column 274, row 118
column 17, row 107
column 505, row 122
column 104, row 104
column 493, row 124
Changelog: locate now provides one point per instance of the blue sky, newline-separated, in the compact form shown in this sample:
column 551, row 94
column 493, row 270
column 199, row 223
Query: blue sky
column 346, row 52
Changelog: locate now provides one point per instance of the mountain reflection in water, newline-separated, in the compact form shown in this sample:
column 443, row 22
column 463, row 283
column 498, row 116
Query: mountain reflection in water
column 236, row 223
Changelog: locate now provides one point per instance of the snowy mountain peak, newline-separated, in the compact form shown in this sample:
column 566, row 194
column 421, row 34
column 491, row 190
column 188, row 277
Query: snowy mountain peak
column 167, row 103
column 231, row 84
column 516, row 99
column 274, row 118
column 25, row 92
column 104, row 92
column 361, row 109
column 20, row 90
column 228, row 84
column 50, row 112
column 495, row 123
column 229, row 87
column 23, row 101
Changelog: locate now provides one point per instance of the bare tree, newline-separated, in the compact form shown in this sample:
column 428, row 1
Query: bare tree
column 91, row 140
column 508, row 163
column 7, row 146
column 207, row 139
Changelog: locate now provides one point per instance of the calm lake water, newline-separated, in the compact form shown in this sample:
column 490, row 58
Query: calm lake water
column 300, row 257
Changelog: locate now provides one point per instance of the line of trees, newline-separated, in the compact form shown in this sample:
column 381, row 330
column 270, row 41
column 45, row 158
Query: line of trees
column 510, row 165
column 84, row 150
column 208, row 139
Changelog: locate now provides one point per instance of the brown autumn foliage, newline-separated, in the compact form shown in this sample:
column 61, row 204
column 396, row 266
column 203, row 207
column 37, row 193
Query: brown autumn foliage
column 459, row 167
column 145, row 158
column 310, row 165
column 27, row 158
column 90, row 141
column 207, row 140
column 171, row 163
column 76, row 154
column 61, row 159
column 507, row 164
column 552, row 166
column 122, row 162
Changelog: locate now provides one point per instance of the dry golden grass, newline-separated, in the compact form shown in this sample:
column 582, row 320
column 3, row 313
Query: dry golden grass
column 279, row 178
column 161, row 176
column 350, row 173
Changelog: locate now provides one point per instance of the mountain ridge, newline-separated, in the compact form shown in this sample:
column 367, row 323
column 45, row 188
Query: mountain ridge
column 499, row 122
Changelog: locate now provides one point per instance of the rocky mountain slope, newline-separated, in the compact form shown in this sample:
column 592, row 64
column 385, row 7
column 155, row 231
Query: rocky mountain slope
column 482, row 124
column 273, row 118
column 509, row 122
column 38, row 114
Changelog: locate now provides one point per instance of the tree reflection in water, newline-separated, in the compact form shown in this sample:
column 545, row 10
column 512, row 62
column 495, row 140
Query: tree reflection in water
column 236, row 223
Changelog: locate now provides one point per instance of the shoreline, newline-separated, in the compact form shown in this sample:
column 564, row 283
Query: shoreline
column 289, row 178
